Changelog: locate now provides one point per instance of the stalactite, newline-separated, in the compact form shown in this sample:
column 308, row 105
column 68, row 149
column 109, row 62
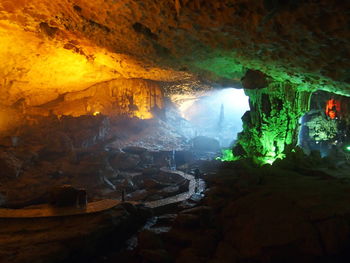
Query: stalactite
column 271, row 126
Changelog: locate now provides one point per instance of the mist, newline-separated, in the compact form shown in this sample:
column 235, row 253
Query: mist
column 217, row 114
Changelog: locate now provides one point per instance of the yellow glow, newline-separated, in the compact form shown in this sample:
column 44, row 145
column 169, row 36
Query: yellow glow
column 184, row 102
column 143, row 115
column 44, row 69
column 40, row 70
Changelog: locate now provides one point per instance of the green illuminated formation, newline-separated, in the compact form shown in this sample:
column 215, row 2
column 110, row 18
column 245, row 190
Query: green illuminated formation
column 271, row 125
column 227, row 156
column 223, row 65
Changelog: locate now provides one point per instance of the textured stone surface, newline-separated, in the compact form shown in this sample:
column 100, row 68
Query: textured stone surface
column 50, row 48
column 66, row 238
column 271, row 126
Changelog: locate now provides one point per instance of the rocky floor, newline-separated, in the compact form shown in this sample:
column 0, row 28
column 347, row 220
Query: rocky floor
column 293, row 211
column 68, row 238
column 288, row 212
column 100, row 154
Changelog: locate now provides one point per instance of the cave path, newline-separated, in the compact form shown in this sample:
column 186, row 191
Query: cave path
column 180, row 197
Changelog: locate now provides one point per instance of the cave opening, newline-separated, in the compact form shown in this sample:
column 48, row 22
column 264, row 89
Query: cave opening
column 216, row 114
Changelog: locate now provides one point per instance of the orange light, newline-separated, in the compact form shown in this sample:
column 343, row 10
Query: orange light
column 96, row 113
column 333, row 108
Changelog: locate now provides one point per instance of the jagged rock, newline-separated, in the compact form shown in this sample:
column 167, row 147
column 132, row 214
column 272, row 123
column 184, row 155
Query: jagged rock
column 254, row 79
column 58, row 145
column 86, row 131
column 109, row 172
column 137, row 195
column 132, row 209
column 150, row 171
column 150, row 184
column 124, row 161
column 134, row 150
column 147, row 158
column 205, row 144
column 265, row 135
column 10, row 166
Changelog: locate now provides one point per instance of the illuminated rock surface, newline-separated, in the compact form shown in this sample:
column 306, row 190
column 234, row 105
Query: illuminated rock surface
column 82, row 80
column 74, row 57
column 51, row 48
column 272, row 124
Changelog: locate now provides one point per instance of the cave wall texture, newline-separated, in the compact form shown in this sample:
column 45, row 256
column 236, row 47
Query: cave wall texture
column 271, row 127
column 62, row 55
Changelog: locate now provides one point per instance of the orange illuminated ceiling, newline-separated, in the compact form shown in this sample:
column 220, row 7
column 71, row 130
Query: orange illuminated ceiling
column 44, row 53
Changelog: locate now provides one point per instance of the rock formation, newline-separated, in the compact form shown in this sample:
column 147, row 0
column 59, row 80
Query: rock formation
column 272, row 124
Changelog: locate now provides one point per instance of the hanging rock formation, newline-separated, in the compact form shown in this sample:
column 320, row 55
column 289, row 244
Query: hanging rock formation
column 129, row 97
column 52, row 47
column 272, row 124
column 59, row 55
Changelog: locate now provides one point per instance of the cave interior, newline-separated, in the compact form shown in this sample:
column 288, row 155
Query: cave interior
column 175, row 131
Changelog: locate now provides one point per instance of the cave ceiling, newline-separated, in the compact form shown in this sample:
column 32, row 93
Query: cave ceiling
column 49, row 48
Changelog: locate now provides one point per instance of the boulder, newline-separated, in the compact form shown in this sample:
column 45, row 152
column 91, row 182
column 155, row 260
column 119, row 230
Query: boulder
column 205, row 144
column 134, row 150
column 254, row 79
column 85, row 130
column 137, row 195
column 57, row 145
column 124, row 161
column 10, row 166
column 147, row 158
column 150, row 171
column 150, row 183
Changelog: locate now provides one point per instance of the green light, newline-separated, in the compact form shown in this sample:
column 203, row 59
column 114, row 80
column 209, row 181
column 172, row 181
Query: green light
column 227, row 156
column 348, row 148
column 269, row 161
column 270, row 128
column 271, row 158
